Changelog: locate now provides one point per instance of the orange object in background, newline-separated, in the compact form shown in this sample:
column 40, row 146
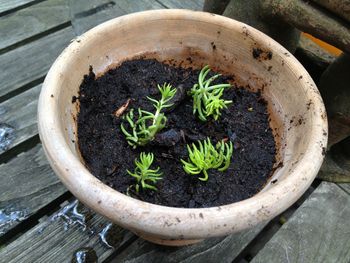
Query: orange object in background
column 333, row 50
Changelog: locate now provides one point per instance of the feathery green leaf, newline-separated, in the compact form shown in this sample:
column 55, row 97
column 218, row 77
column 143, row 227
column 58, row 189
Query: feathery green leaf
column 148, row 124
column 206, row 156
column 143, row 174
column 207, row 99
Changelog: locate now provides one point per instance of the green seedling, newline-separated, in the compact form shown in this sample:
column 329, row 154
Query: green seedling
column 206, row 157
column 207, row 98
column 145, row 176
column 148, row 124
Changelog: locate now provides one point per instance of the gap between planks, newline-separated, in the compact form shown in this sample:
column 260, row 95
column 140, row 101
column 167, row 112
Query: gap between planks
column 31, row 185
column 224, row 249
column 274, row 225
column 28, row 184
column 318, row 232
column 40, row 19
column 227, row 249
column 196, row 5
column 24, row 120
column 49, row 241
column 37, row 57
column 19, row 113
column 31, row 61
column 10, row 6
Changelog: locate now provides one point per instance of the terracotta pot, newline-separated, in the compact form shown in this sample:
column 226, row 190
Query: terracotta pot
column 298, row 117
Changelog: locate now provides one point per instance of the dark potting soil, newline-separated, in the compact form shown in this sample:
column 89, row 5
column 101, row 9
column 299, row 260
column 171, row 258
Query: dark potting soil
column 107, row 154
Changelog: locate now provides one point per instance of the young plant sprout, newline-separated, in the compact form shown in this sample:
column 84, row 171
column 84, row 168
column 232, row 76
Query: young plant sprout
column 207, row 98
column 208, row 157
column 148, row 124
column 143, row 174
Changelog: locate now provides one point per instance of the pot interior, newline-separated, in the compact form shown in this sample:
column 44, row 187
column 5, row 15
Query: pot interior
column 228, row 48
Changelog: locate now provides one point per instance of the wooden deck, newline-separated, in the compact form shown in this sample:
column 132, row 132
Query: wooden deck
column 40, row 220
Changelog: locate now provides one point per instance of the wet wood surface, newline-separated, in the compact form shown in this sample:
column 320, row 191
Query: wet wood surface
column 38, row 219
column 30, row 185
column 55, row 240
column 19, row 112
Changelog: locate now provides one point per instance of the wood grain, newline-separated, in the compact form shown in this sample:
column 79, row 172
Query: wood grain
column 30, row 183
column 27, row 184
column 338, row 7
column 345, row 187
column 6, row 5
column 20, row 112
column 188, row 4
column 50, row 241
column 32, row 61
column 319, row 231
column 88, row 15
column 31, row 21
column 222, row 249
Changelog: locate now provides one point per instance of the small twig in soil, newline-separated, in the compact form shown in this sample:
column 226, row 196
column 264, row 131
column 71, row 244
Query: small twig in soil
column 119, row 112
column 183, row 136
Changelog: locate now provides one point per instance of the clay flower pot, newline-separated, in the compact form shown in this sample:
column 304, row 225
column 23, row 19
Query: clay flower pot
column 298, row 117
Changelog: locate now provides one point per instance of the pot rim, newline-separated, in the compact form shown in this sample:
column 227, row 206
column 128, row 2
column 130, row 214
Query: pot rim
column 171, row 222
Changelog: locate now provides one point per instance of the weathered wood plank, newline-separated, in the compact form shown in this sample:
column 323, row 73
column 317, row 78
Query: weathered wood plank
column 313, row 57
column 6, row 5
column 340, row 8
column 189, row 4
column 223, row 249
column 345, row 187
column 27, row 185
column 30, row 62
column 53, row 240
column 91, row 13
column 33, row 20
column 319, row 231
column 335, row 167
column 20, row 112
column 87, row 15
column 212, row 250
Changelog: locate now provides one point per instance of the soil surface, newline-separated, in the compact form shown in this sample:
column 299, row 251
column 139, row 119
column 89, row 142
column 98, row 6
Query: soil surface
column 108, row 156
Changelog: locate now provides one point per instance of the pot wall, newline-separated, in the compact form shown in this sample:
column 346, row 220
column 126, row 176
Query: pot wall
column 297, row 115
